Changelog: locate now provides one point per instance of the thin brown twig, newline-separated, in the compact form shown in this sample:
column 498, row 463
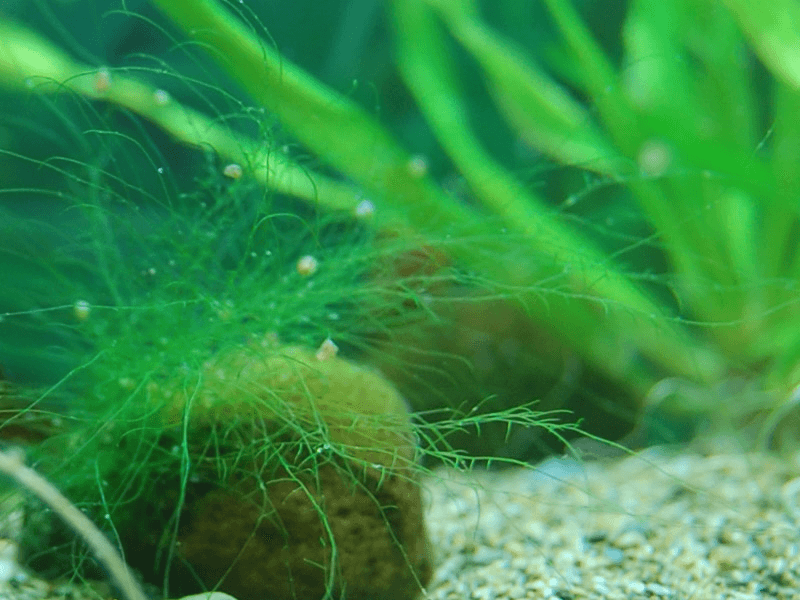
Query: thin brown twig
column 11, row 464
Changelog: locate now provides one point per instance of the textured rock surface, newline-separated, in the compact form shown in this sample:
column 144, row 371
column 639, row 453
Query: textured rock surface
column 379, row 546
column 341, row 512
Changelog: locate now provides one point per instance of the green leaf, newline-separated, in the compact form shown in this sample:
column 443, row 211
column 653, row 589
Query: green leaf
column 539, row 109
column 774, row 28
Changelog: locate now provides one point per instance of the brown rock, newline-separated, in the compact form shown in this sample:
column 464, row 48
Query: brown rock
column 318, row 489
column 373, row 545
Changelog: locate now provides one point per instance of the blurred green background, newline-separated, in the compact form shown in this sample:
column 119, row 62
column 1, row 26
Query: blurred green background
column 678, row 313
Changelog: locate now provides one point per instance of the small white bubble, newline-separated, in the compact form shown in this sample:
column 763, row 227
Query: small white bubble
column 654, row 158
column 102, row 80
column 160, row 170
column 161, row 97
column 328, row 349
column 81, row 310
column 232, row 171
column 364, row 209
column 307, row 265
column 418, row 166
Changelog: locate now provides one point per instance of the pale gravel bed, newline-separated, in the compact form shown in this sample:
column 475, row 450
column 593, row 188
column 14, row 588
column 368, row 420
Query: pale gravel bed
column 660, row 524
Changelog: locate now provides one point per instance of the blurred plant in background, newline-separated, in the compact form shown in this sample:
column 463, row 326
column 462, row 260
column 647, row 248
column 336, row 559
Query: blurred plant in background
column 592, row 205
column 678, row 128
column 661, row 246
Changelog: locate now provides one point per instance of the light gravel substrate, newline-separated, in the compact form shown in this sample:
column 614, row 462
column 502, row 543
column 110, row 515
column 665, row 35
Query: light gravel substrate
column 656, row 525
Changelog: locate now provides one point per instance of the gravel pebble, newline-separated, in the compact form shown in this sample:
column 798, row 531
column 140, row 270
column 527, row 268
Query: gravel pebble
column 650, row 526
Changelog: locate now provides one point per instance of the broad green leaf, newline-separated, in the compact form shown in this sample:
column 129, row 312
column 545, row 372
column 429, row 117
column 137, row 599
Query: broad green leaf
column 543, row 113
column 774, row 28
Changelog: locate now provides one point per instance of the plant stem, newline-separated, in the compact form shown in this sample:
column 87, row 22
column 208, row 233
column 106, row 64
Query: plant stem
column 11, row 464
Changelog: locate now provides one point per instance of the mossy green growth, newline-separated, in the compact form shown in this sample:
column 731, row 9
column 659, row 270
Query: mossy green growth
column 316, row 393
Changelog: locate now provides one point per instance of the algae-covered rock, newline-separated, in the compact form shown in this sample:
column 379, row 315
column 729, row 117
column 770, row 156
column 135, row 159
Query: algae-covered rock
column 342, row 510
column 294, row 475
